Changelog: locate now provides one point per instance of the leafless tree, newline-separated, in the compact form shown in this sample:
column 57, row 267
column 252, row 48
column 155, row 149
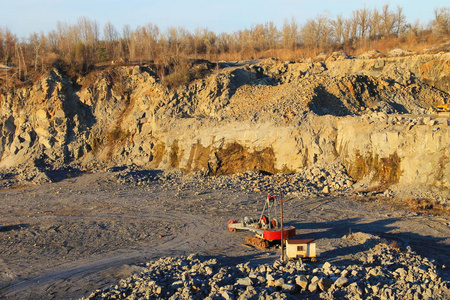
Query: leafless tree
column 363, row 20
column 290, row 34
column 127, row 43
column 111, row 37
column 338, row 29
column 375, row 25
column 387, row 22
column 317, row 33
column 399, row 21
column 441, row 22
column 79, row 45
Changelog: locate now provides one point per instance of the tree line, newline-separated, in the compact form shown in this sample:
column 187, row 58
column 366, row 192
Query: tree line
column 77, row 47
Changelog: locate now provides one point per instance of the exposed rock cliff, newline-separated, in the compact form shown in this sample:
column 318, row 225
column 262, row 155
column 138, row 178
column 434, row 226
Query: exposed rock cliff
column 368, row 114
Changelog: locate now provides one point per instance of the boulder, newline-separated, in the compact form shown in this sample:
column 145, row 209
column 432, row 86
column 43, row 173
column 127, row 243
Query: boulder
column 325, row 284
column 301, row 281
column 247, row 281
column 341, row 281
column 313, row 287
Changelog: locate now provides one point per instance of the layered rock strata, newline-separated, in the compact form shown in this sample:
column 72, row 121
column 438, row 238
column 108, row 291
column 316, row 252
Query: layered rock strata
column 375, row 116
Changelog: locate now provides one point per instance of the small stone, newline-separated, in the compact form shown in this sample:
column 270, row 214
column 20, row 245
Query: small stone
column 301, row 281
column 279, row 282
column 277, row 264
column 433, row 276
column 401, row 272
column 227, row 295
column 244, row 281
column 208, row 270
column 312, row 287
column 192, row 256
column 341, row 281
column 345, row 273
column 325, row 284
column 354, row 287
column 326, row 266
column 288, row 287
column 375, row 289
column 157, row 290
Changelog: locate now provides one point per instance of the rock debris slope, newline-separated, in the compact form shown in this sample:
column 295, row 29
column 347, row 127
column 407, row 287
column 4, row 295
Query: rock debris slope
column 372, row 115
column 383, row 272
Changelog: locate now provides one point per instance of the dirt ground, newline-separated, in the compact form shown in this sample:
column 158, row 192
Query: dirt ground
column 64, row 240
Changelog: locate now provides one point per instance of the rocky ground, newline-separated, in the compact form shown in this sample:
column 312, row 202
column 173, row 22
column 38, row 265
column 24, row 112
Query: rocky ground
column 86, row 236
column 383, row 272
column 113, row 175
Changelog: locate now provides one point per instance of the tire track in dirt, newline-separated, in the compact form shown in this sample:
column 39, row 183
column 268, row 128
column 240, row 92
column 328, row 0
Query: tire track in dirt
column 190, row 228
column 189, row 222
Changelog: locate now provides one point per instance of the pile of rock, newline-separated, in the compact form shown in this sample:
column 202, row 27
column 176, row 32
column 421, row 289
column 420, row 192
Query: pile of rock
column 309, row 181
column 409, row 120
column 384, row 273
column 22, row 176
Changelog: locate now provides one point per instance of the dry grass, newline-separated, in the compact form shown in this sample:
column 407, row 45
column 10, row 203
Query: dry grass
column 428, row 206
column 394, row 246
column 425, row 206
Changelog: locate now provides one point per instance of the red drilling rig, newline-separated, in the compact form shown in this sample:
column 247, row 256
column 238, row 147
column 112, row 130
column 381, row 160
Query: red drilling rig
column 267, row 229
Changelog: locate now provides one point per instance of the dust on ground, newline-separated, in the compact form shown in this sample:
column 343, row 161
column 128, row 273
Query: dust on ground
column 66, row 239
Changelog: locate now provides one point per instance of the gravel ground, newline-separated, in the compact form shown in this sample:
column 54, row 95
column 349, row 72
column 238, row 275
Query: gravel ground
column 69, row 238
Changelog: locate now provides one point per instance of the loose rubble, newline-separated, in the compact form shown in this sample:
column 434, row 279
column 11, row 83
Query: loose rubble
column 310, row 181
column 313, row 181
column 384, row 272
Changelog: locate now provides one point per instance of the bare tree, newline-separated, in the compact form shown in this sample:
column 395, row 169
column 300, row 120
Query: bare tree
column 387, row 22
column 127, row 43
column 9, row 46
column 375, row 25
column 441, row 22
column 88, row 34
column 36, row 44
column 22, row 66
column 317, row 33
column 338, row 29
column 88, row 31
column 258, row 37
column 363, row 20
column 79, row 45
column 2, row 51
column 352, row 27
column 225, row 43
column 210, row 40
column 110, row 33
column 272, row 35
column 399, row 21
column 111, row 37
column 290, row 34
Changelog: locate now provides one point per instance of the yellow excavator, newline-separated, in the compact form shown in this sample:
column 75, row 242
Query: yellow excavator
column 443, row 108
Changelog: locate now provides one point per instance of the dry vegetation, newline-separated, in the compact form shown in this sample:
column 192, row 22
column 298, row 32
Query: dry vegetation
column 426, row 206
column 78, row 48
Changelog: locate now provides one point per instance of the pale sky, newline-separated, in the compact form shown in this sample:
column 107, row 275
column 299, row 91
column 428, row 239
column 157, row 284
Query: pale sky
column 23, row 17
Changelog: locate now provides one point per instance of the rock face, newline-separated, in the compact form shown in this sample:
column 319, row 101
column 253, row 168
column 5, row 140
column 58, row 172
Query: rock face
column 368, row 114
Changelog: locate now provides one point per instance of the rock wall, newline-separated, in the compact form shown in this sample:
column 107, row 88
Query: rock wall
column 368, row 114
